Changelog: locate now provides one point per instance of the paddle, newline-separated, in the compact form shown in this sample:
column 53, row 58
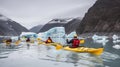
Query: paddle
column 59, row 46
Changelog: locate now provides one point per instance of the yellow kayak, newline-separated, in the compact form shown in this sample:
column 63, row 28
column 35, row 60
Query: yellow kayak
column 95, row 51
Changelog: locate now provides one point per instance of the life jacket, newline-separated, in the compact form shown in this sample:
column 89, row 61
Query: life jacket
column 75, row 43
column 49, row 41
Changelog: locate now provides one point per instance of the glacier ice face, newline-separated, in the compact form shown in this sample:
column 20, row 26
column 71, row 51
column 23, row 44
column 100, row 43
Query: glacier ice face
column 56, row 32
column 71, row 35
column 28, row 34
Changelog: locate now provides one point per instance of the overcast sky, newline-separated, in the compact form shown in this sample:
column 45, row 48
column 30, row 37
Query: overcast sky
column 30, row 13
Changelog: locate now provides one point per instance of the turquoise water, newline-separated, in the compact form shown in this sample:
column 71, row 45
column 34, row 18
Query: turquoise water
column 47, row 56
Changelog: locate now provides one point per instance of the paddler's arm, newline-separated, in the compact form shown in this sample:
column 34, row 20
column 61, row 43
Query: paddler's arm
column 68, row 42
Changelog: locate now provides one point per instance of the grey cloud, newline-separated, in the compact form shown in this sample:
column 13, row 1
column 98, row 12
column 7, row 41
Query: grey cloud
column 36, row 11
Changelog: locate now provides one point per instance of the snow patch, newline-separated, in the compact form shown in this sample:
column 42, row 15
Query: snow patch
column 4, row 18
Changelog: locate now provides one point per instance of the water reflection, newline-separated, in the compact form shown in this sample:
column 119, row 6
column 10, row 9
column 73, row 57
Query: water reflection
column 50, row 54
column 28, row 46
column 84, row 60
column 73, row 58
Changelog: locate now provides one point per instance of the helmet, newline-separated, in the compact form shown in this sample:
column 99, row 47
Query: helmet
column 75, row 36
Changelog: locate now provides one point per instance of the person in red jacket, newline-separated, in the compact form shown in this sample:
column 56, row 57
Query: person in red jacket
column 49, row 40
column 75, row 42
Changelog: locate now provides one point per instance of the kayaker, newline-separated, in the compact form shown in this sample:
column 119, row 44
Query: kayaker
column 8, row 42
column 49, row 40
column 75, row 42
column 28, row 39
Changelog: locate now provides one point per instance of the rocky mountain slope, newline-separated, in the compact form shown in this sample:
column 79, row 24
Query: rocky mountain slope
column 36, row 29
column 72, row 25
column 102, row 17
column 9, row 27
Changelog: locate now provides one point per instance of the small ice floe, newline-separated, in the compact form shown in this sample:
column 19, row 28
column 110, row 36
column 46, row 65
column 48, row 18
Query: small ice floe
column 116, row 46
column 116, row 41
column 100, row 39
column 115, row 37
column 96, row 37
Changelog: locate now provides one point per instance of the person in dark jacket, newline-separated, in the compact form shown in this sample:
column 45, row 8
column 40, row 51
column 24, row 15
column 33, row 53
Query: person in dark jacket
column 28, row 40
column 75, row 42
column 8, row 42
column 49, row 40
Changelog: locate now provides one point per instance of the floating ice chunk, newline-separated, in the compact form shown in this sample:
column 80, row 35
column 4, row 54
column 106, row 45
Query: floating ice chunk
column 100, row 39
column 107, row 66
column 116, row 46
column 115, row 37
column 96, row 37
column 56, row 32
column 116, row 41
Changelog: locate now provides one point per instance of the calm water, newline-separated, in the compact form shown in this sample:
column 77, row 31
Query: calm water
column 47, row 56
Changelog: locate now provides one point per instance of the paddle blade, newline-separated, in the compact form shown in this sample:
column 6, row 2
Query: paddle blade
column 17, row 42
column 82, row 41
column 58, row 47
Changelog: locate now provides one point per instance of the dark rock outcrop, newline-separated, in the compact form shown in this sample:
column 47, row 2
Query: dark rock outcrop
column 72, row 25
column 102, row 17
column 9, row 27
column 36, row 29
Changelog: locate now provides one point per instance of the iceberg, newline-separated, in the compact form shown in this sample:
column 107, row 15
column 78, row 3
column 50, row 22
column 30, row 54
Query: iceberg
column 57, row 34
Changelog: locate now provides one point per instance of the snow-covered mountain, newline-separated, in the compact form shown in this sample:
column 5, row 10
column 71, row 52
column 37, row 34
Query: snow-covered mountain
column 9, row 27
column 55, row 23
column 70, row 25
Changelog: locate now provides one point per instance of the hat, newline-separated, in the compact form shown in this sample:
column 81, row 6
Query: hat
column 75, row 35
